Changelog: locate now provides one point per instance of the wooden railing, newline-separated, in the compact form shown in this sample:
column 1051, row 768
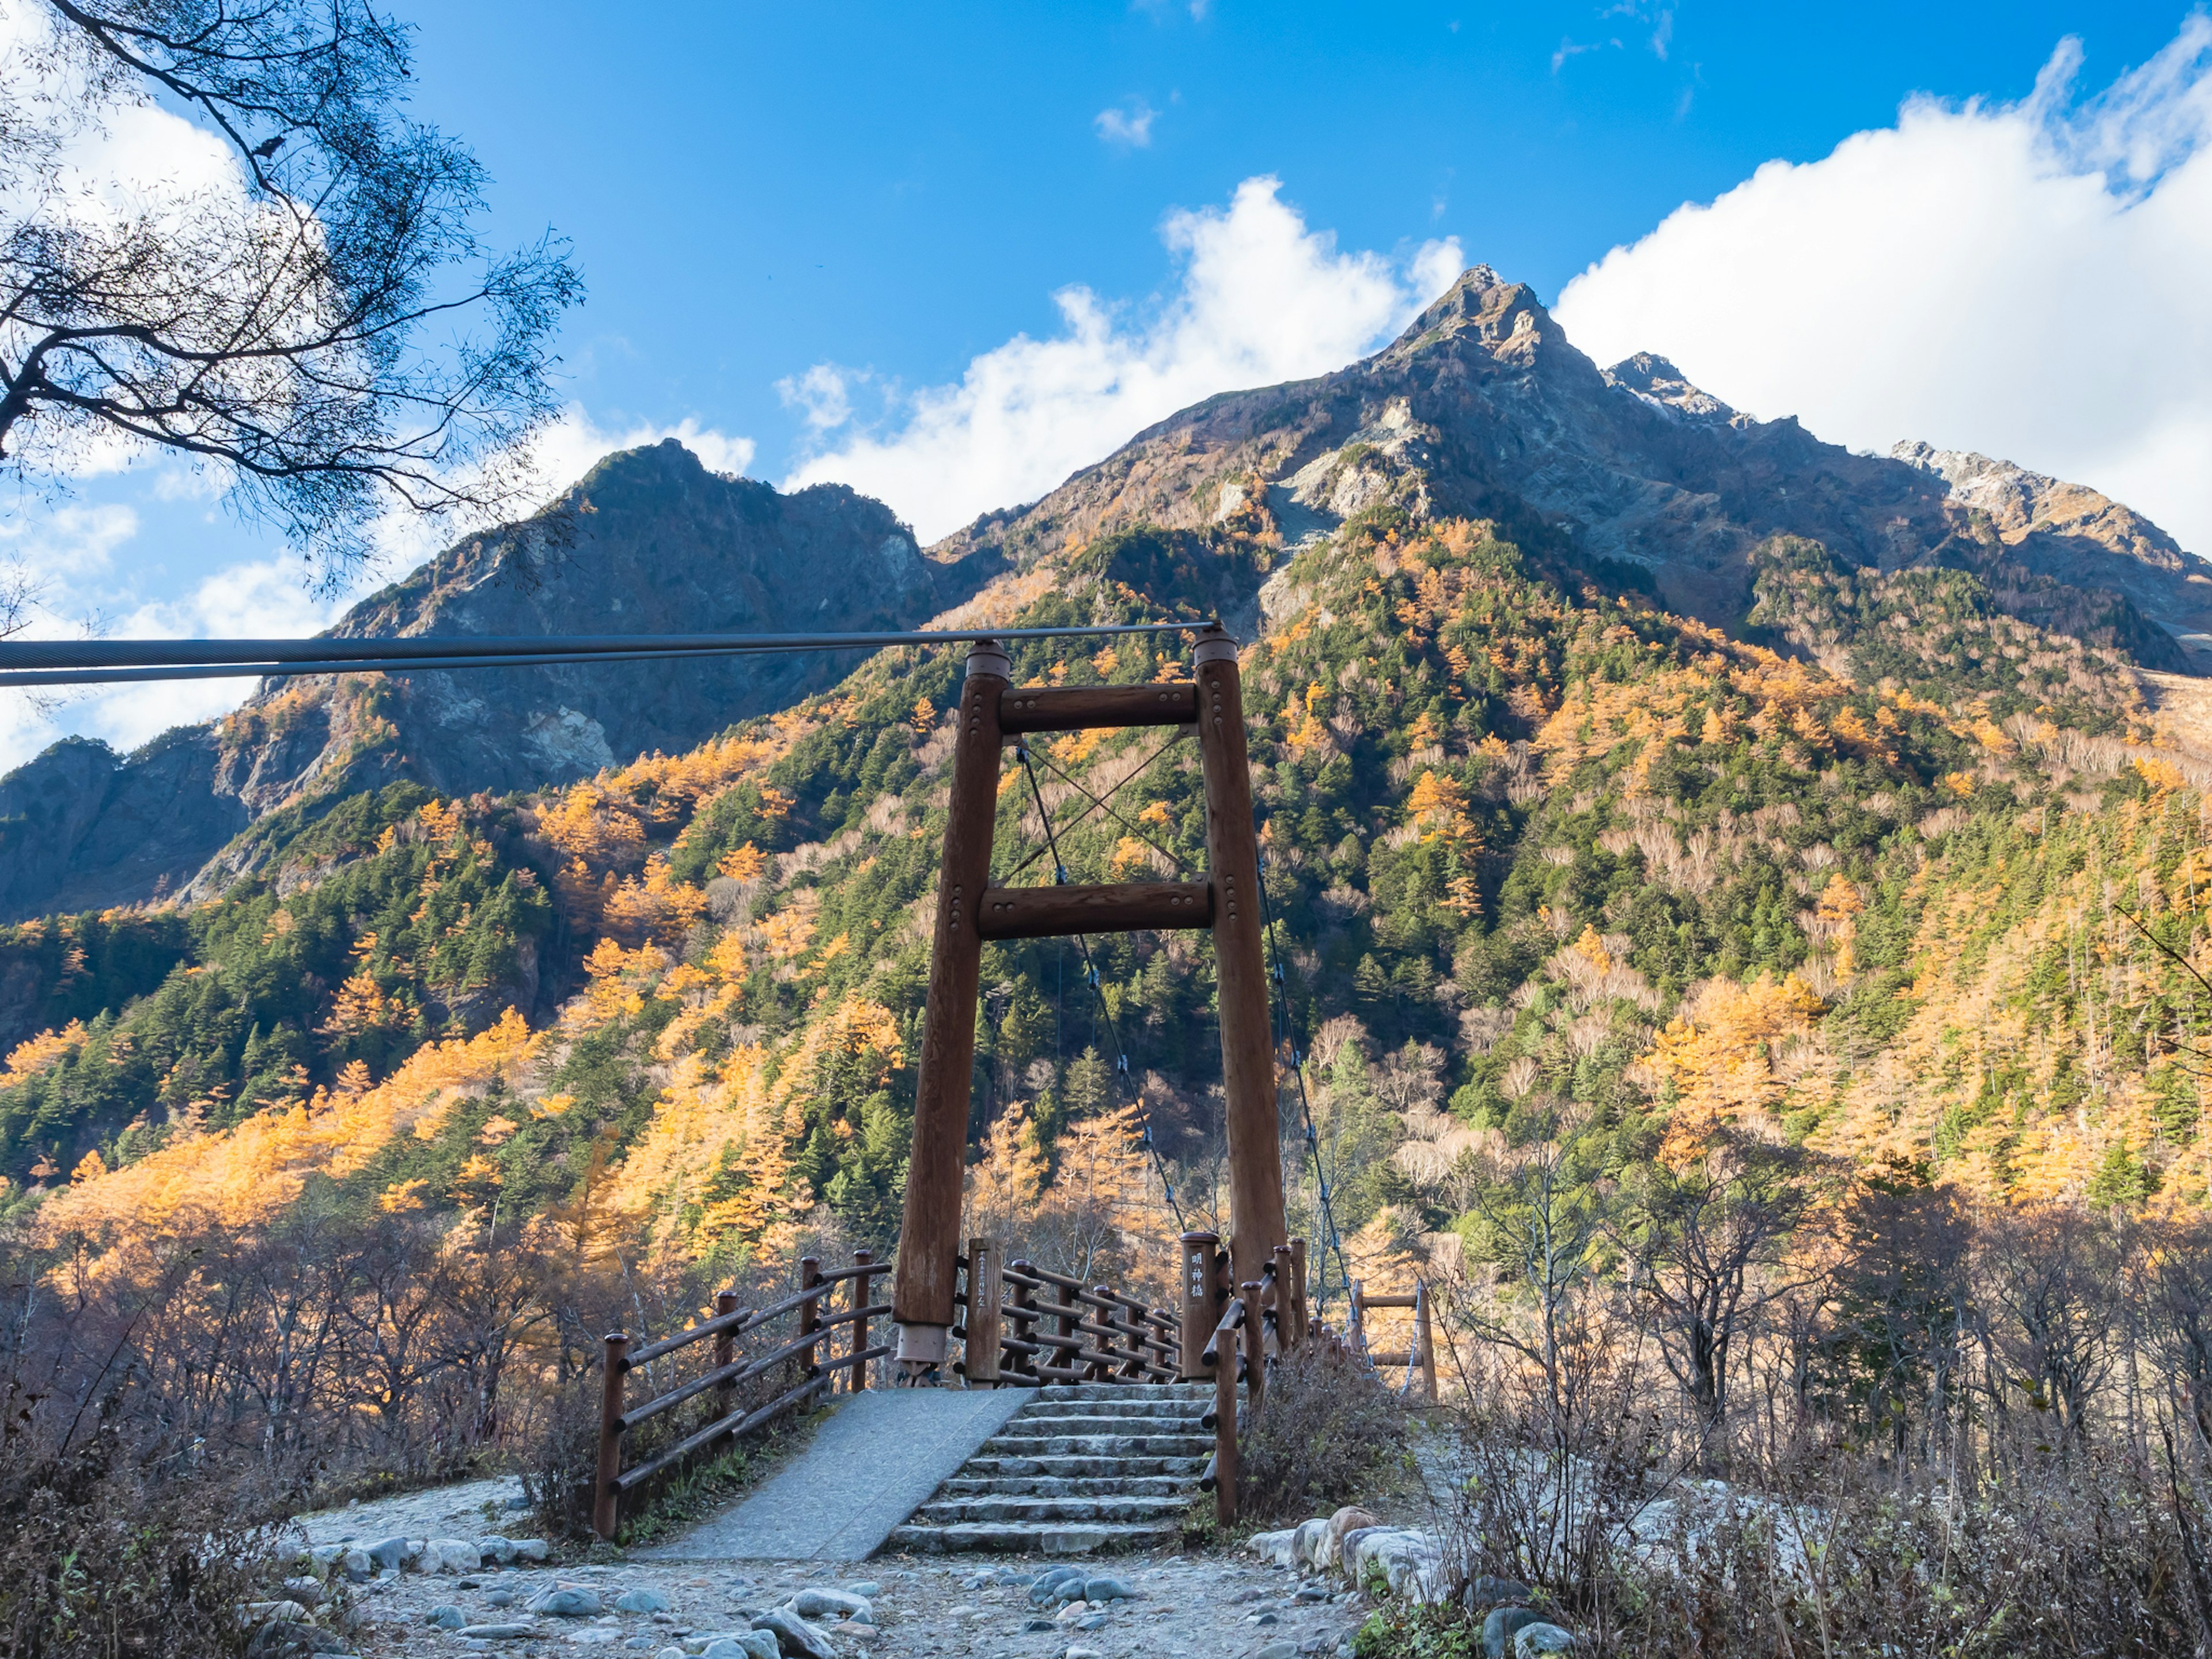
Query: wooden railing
column 807, row 1351
column 1023, row 1325
column 1266, row 1318
column 1420, row 1358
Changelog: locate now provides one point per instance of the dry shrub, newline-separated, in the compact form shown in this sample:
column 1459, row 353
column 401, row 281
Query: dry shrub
column 1325, row 1424
column 2102, row 1551
column 102, row 1557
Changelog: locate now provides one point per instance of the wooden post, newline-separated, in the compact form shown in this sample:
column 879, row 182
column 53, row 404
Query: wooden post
column 809, row 1311
column 1025, row 1300
column 859, row 1382
column 1423, row 1339
column 1063, row 1325
column 1356, row 1321
column 985, row 1281
column 1256, row 1348
column 929, row 1236
column 1286, row 1316
column 1298, row 1288
column 725, row 1350
column 1247, row 1038
column 606, row 1501
column 1200, row 1298
column 1225, row 1429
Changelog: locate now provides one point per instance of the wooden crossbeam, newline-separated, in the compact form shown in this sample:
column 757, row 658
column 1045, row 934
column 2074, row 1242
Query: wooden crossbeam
column 1082, row 707
column 1113, row 908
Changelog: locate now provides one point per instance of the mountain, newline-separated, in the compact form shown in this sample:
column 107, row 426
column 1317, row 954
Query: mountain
column 1483, row 407
column 1630, row 770
column 648, row 542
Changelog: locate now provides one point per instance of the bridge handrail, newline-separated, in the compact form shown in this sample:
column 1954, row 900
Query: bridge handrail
column 817, row 1373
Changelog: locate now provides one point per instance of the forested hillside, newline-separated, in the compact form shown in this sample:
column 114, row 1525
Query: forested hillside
column 1891, row 875
column 1528, row 835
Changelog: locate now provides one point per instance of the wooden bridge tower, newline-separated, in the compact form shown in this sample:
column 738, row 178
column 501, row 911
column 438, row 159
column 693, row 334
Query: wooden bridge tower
column 970, row 911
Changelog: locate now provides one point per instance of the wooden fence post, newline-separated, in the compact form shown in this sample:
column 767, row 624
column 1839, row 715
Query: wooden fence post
column 1286, row 1318
column 810, row 1312
column 1248, row 1036
column 1066, row 1323
column 1299, row 1287
column 606, row 1500
column 985, row 1281
column 725, row 1350
column 1255, row 1347
column 1201, row 1298
column 929, row 1235
column 1026, row 1302
column 859, row 1382
column 1423, row 1339
column 1224, row 1433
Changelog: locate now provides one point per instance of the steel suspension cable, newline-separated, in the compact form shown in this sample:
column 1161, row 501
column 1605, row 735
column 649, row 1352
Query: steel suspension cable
column 1100, row 803
column 1279, row 988
column 82, row 662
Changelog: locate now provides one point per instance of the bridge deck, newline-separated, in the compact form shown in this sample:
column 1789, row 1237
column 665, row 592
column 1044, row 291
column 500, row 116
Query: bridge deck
column 876, row 1460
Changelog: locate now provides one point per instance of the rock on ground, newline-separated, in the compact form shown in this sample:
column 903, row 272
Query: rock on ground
column 1217, row 1606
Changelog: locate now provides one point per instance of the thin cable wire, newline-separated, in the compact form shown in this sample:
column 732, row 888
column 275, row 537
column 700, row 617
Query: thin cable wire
column 1095, row 802
column 1281, row 990
column 1091, row 973
column 43, row 654
column 1101, row 804
column 278, row 671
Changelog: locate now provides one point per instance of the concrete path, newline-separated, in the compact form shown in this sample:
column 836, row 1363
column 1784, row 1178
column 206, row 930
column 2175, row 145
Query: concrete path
column 873, row 1464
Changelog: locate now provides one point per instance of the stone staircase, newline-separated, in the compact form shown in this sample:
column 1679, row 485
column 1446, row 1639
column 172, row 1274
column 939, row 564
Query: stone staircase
column 1084, row 1467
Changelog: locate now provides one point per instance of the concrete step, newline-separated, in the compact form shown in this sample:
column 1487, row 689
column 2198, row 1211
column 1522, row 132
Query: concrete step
column 1098, row 1445
column 1079, row 1485
column 1052, row 1539
column 1052, row 1393
column 1036, row 1420
column 1035, row 1511
column 1138, row 1410
column 988, row 1466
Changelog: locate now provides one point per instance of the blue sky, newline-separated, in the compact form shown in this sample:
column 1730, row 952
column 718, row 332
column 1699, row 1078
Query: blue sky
column 753, row 188
column 950, row 252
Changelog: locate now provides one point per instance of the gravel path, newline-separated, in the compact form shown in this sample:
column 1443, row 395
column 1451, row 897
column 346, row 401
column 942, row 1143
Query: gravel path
column 474, row 1509
column 1184, row 1607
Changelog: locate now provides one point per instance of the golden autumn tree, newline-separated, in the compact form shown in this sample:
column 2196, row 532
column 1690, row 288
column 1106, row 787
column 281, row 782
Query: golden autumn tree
column 1004, row 1183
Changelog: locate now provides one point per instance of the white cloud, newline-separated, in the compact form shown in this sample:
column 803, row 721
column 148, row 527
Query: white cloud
column 1260, row 298
column 1569, row 47
column 1130, row 126
column 260, row 599
column 2027, row 280
column 824, row 395
column 570, row 446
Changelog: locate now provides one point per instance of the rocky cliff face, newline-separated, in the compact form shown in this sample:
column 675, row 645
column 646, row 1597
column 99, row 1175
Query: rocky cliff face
column 1483, row 406
column 650, row 542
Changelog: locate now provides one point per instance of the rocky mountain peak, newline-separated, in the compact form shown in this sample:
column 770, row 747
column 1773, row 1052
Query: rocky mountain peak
column 648, row 542
column 1505, row 318
column 1656, row 381
column 2022, row 505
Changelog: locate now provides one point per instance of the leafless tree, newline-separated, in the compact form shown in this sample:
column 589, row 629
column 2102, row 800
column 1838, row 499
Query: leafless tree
column 2052, row 1283
column 2175, row 1278
column 274, row 316
column 1705, row 1242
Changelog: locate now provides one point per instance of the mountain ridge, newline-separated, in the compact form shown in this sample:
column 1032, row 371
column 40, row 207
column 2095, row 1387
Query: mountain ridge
column 648, row 541
column 1481, row 407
